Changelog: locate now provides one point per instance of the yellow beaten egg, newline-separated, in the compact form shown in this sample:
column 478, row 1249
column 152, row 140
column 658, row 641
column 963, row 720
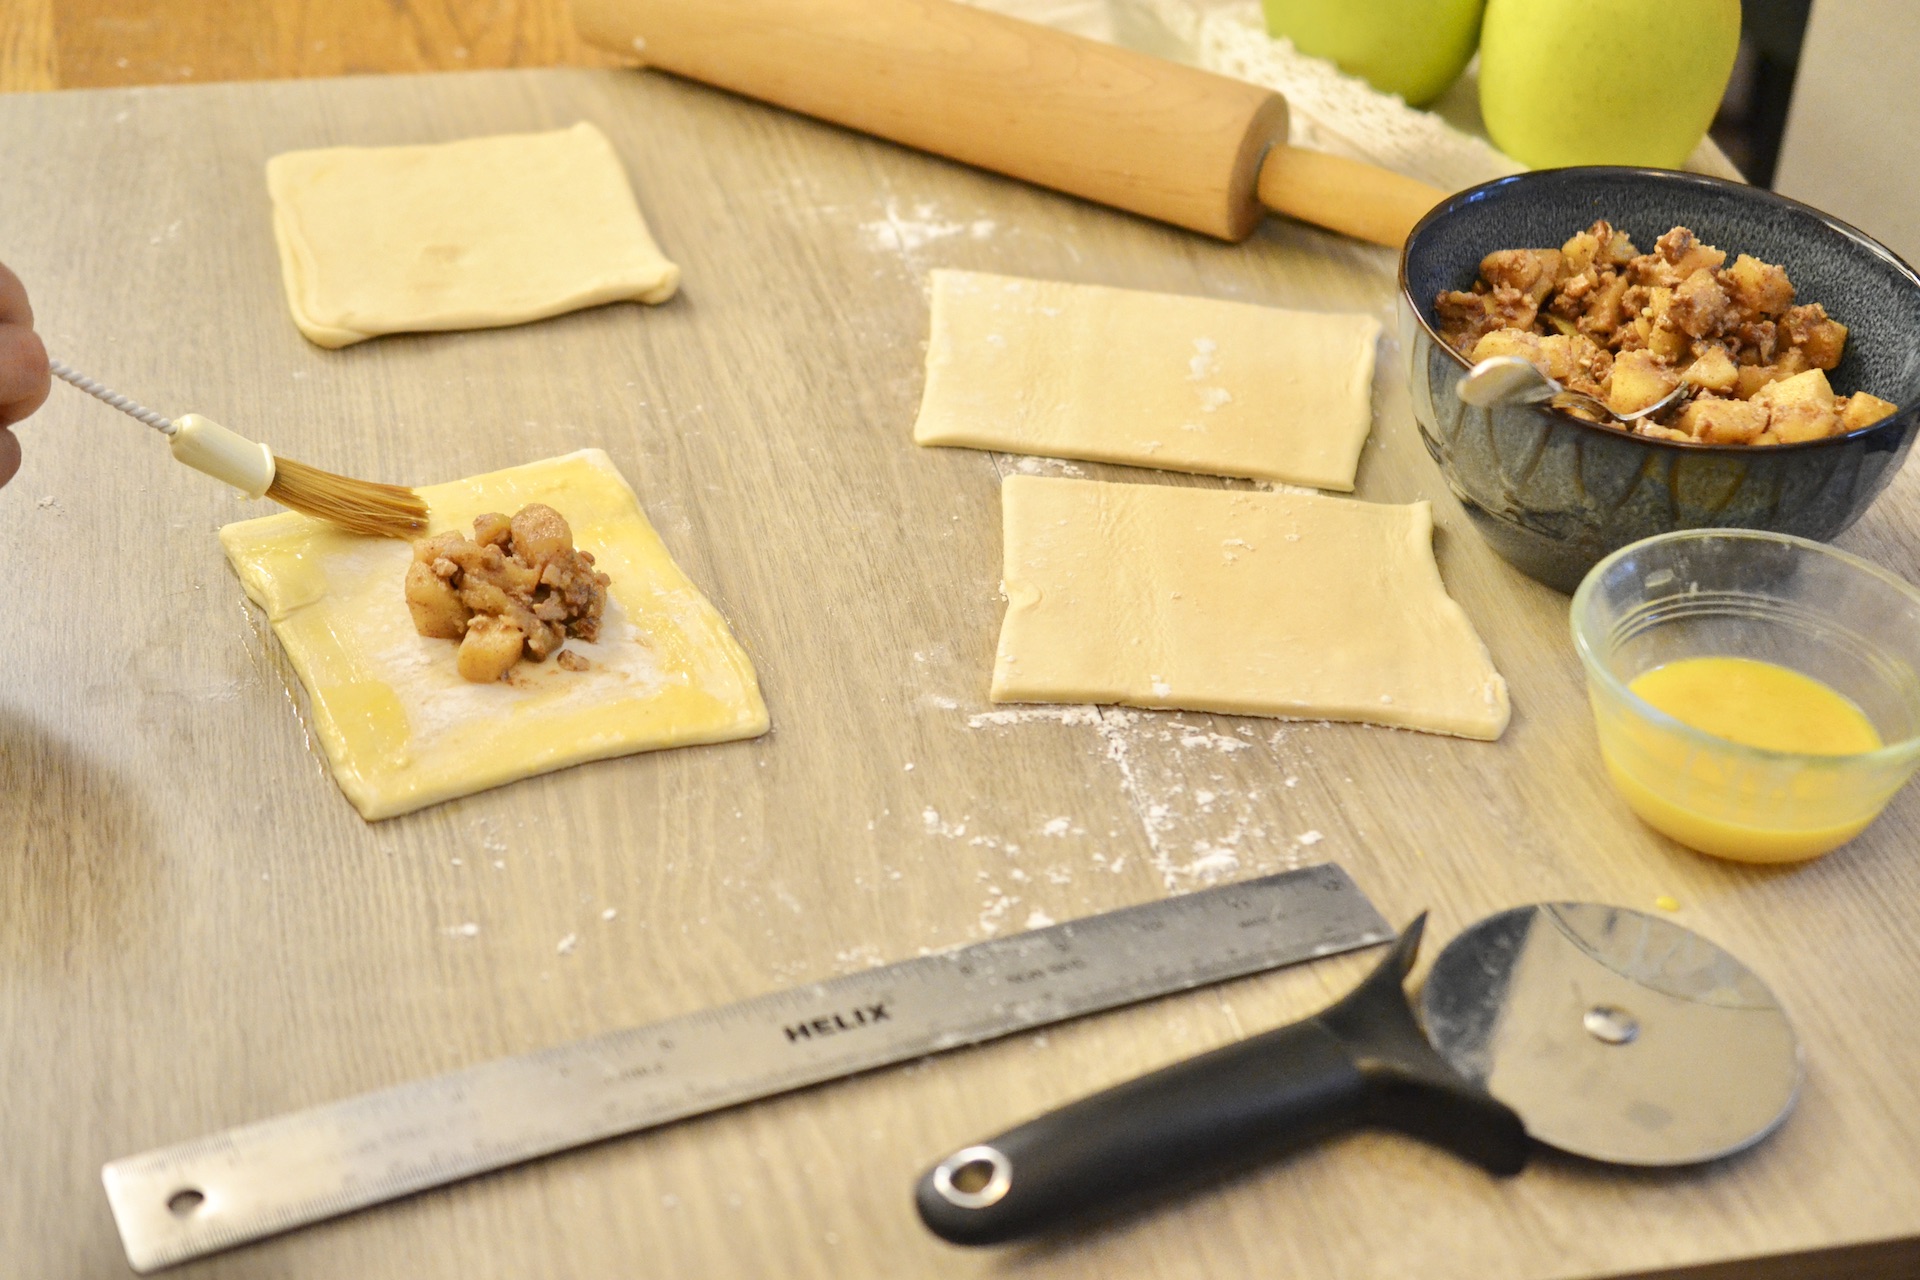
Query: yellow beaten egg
column 1709, row 799
column 1758, row 704
column 1756, row 695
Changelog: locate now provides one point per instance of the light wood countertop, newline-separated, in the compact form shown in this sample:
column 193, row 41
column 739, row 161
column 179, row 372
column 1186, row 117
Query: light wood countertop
column 197, row 931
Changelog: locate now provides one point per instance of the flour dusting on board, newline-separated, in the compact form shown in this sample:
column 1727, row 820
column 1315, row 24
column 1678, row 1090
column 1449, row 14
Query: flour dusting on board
column 865, row 956
column 937, row 827
column 1202, row 821
column 902, row 232
column 1034, row 715
column 1028, row 465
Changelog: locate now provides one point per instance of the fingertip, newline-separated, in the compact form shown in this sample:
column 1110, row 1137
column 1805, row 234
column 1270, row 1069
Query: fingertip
column 9, row 455
column 26, row 377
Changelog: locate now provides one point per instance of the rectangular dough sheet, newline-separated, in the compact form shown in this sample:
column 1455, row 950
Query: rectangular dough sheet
column 1148, row 379
column 1273, row 604
column 459, row 235
column 400, row 726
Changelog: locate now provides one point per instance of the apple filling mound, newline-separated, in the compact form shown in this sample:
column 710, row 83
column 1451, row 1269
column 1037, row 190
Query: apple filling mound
column 517, row 589
column 1628, row 328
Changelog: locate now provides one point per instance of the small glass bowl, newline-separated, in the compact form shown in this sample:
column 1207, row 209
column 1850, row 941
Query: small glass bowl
column 1749, row 594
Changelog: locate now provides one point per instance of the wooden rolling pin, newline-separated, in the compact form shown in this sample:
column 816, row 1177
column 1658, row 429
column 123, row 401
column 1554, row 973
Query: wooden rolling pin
column 1095, row 120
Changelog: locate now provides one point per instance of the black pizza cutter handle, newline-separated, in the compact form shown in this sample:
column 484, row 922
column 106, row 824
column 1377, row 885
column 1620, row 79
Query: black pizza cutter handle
column 1363, row 1062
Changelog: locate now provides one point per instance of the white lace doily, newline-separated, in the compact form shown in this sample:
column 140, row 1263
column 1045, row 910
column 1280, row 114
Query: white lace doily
column 1331, row 111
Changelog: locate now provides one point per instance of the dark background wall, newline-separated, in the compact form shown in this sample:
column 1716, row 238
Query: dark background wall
column 1753, row 115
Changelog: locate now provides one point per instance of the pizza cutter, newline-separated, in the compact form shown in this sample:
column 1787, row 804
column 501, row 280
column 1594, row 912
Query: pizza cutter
column 1617, row 1035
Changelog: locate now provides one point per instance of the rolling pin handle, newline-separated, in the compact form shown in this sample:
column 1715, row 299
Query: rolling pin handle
column 1348, row 196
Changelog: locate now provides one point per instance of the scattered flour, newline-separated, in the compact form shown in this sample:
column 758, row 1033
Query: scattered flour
column 567, row 944
column 1030, row 465
column 999, row 902
column 1038, row 919
column 936, row 827
column 865, row 956
column 900, row 232
column 1217, row 741
column 1215, row 862
column 1031, row 715
column 1202, row 364
column 1203, row 834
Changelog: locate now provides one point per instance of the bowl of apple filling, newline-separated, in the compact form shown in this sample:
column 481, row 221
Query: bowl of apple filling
column 1780, row 346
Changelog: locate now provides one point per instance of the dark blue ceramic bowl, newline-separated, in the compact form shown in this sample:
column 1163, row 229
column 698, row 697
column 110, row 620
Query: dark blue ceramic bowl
column 1554, row 494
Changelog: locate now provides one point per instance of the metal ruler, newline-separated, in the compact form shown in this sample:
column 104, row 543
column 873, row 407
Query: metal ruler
column 200, row 1197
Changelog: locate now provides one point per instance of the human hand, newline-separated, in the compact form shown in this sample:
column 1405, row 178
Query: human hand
column 24, row 380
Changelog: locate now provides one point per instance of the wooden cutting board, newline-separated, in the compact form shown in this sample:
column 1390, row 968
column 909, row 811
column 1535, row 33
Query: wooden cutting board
column 196, row 930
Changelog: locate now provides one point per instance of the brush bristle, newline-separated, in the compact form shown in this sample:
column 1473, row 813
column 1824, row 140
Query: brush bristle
column 381, row 510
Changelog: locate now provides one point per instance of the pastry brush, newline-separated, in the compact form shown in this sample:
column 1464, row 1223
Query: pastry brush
column 383, row 510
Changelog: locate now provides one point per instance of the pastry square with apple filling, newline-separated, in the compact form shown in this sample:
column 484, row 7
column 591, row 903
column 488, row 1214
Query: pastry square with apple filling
column 402, row 728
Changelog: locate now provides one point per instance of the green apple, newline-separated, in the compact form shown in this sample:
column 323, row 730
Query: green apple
column 1604, row 81
column 1414, row 48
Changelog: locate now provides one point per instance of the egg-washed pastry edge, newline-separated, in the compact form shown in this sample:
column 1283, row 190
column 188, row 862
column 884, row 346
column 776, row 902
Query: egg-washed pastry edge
column 725, row 706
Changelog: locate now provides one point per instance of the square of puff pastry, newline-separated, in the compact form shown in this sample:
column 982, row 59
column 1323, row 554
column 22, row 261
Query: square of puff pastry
column 400, row 727
column 1147, row 379
column 459, row 235
column 1270, row 604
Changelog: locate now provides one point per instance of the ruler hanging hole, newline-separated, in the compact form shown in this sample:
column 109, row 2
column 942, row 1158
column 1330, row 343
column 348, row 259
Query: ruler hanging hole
column 974, row 1178
column 185, row 1202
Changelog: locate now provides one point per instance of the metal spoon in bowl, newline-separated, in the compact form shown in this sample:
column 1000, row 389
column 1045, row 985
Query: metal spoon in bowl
column 1515, row 380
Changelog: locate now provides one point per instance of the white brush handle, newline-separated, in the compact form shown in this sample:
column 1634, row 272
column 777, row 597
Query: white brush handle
column 125, row 404
column 225, row 455
column 204, row 445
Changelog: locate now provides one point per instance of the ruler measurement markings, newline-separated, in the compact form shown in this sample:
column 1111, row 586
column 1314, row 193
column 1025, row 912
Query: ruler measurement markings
column 306, row 1166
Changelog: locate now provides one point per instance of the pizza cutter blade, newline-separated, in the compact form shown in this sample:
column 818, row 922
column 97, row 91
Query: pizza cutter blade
column 1619, row 1036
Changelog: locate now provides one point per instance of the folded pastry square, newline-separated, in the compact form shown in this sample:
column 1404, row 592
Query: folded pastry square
column 1273, row 604
column 1148, row 379
column 459, row 235
column 400, row 726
